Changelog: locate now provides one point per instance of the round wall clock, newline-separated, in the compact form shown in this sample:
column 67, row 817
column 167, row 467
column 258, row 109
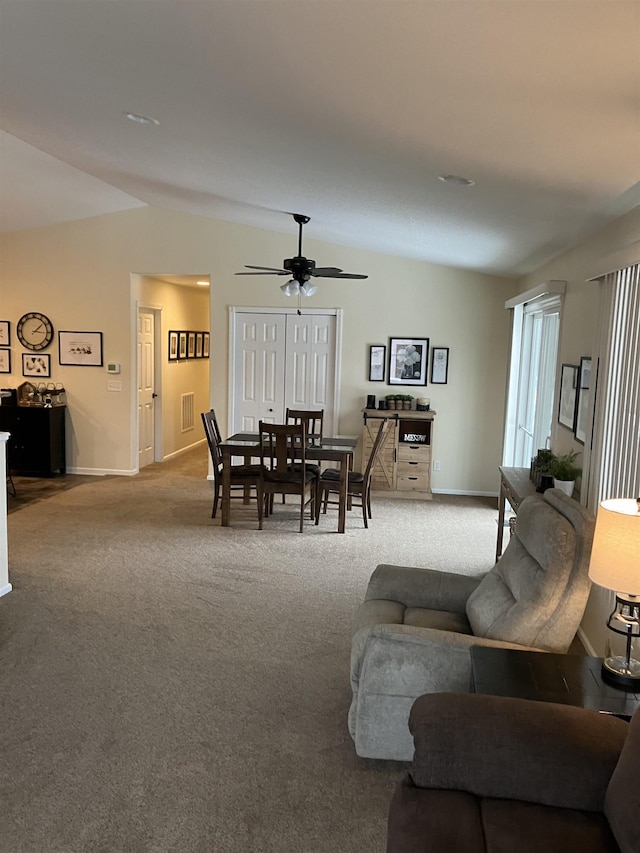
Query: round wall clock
column 34, row 331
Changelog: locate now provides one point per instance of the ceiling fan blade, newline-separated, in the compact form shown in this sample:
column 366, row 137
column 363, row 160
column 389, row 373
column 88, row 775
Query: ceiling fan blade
column 271, row 269
column 326, row 270
column 265, row 272
column 340, row 274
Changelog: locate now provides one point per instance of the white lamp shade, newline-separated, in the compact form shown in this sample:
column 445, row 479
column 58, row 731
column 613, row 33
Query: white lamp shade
column 615, row 555
column 291, row 288
column 308, row 288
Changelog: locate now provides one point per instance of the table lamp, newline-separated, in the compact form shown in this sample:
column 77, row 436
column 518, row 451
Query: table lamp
column 615, row 565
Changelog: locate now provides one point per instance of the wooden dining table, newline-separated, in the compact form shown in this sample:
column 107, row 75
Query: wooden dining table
column 327, row 449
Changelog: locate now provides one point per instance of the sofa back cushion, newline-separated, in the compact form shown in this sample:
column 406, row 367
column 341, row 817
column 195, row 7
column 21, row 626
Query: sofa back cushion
column 536, row 593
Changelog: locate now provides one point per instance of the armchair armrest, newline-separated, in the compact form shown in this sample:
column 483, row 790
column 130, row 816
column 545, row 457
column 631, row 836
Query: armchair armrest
column 427, row 588
column 494, row 746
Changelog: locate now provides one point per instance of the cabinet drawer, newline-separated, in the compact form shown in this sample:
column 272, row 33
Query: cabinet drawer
column 414, row 453
column 414, row 479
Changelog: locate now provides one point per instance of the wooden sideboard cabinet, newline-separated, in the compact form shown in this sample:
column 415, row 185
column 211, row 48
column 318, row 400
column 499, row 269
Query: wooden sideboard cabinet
column 36, row 447
column 403, row 466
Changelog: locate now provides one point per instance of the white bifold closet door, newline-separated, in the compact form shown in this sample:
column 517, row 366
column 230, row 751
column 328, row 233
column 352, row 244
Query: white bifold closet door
column 280, row 361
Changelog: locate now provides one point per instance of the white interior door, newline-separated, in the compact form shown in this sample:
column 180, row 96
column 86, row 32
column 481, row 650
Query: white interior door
column 146, row 390
column 280, row 361
column 258, row 370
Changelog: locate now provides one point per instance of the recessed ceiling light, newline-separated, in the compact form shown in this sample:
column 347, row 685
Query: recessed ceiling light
column 203, row 283
column 457, row 179
column 141, row 119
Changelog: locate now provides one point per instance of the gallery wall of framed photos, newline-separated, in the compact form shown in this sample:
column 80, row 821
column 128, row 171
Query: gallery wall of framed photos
column 184, row 345
column 408, row 362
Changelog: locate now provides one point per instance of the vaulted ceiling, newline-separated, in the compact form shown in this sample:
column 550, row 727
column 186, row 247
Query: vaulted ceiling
column 348, row 111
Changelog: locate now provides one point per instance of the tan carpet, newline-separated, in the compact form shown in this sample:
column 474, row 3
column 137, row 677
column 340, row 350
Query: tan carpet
column 170, row 685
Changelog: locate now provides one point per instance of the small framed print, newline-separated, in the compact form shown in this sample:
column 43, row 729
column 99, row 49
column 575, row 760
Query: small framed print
column 377, row 359
column 439, row 365
column 80, row 348
column 173, row 346
column 191, row 344
column 36, row 365
column 582, row 406
column 198, row 344
column 5, row 361
column 205, row 344
column 5, row 333
column 408, row 361
column 182, row 344
column 568, row 395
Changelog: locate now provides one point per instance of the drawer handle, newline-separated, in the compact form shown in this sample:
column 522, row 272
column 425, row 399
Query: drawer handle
column 414, row 463
column 412, row 478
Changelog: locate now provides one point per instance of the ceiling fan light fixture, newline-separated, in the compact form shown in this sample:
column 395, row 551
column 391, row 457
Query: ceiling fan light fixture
column 308, row 288
column 290, row 288
column 458, row 180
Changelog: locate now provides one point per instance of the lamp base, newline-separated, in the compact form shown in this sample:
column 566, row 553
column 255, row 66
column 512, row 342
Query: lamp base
column 617, row 672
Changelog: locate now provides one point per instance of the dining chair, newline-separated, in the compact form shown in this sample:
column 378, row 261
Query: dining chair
column 359, row 485
column 313, row 420
column 243, row 477
column 284, row 468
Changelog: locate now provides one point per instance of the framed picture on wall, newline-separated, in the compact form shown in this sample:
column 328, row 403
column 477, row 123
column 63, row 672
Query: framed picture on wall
column 5, row 361
column 38, row 365
column 198, row 344
column 205, row 344
column 582, row 408
column 173, row 346
column 439, row 365
column 5, row 333
column 80, row 348
column 191, row 344
column 182, row 344
column 568, row 395
column 377, row 359
column 408, row 361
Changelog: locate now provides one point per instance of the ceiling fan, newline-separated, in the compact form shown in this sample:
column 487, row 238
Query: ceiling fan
column 300, row 269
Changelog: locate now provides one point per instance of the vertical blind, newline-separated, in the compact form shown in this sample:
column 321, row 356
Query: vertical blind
column 615, row 453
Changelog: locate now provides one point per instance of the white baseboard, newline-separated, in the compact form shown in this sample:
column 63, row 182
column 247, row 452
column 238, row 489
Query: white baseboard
column 465, row 492
column 5, row 589
column 183, row 450
column 585, row 642
column 102, row 472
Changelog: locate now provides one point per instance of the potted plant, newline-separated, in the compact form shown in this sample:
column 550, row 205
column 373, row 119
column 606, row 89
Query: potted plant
column 391, row 401
column 564, row 471
column 406, row 401
column 541, row 467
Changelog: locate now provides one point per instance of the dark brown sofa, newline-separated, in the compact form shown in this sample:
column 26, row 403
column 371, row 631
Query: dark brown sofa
column 502, row 775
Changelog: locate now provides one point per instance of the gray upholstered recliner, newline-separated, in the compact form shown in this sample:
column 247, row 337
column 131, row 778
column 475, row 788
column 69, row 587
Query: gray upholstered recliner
column 413, row 633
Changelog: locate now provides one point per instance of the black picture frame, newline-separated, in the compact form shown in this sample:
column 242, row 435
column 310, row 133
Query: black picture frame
column 205, row 344
column 568, row 396
column 191, row 344
column 439, row 365
column 172, row 348
column 5, row 361
column 377, row 362
column 5, row 333
column 36, row 365
column 582, row 405
column 408, row 359
column 82, row 349
column 182, row 345
column 198, row 344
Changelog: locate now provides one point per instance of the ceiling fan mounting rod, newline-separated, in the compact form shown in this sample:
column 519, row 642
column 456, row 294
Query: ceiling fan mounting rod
column 301, row 219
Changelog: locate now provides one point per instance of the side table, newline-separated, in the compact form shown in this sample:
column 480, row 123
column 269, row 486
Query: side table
column 515, row 486
column 546, row 677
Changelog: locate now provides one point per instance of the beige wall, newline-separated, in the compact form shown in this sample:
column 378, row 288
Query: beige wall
column 608, row 249
column 79, row 274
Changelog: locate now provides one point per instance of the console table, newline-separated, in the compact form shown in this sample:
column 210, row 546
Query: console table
column 546, row 677
column 515, row 486
column 36, row 447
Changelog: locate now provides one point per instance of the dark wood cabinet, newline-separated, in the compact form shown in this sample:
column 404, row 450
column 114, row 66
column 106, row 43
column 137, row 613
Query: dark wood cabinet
column 36, row 447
